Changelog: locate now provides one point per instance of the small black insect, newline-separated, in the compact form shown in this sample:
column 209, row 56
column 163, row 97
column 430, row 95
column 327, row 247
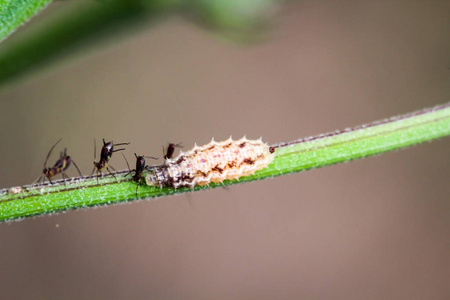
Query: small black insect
column 105, row 157
column 171, row 150
column 140, row 168
column 59, row 167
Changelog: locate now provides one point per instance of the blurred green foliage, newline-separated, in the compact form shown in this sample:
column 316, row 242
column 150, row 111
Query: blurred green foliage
column 80, row 25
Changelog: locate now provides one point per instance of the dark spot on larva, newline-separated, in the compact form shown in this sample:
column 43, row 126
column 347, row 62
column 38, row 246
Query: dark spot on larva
column 242, row 145
column 227, row 146
column 186, row 177
column 216, row 168
column 232, row 164
column 170, row 181
column 201, row 173
column 271, row 149
column 249, row 161
column 212, row 147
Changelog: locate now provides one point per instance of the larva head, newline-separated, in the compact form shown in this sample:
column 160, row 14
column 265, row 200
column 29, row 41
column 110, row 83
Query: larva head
column 152, row 178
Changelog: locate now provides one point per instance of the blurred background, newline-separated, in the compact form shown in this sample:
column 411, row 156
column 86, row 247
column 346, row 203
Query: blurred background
column 376, row 228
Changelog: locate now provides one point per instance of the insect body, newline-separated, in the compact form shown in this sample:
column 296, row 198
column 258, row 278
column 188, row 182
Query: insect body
column 105, row 156
column 214, row 162
column 171, row 150
column 60, row 165
column 140, row 168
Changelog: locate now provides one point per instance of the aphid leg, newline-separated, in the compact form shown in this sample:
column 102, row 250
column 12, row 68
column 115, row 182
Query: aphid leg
column 137, row 186
column 37, row 180
column 191, row 204
column 27, row 190
column 226, row 188
column 96, row 173
column 107, row 168
column 63, row 174
column 79, row 172
column 95, row 150
column 129, row 170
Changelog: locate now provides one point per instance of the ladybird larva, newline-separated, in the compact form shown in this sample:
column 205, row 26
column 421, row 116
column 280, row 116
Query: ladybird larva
column 214, row 162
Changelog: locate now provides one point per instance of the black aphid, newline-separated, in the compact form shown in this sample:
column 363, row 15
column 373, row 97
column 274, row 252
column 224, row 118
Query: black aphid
column 105, row 157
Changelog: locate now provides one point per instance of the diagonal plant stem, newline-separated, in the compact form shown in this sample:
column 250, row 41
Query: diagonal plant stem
column 304, row 154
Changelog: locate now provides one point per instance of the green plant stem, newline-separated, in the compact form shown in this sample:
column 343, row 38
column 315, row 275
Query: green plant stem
column 327, row 149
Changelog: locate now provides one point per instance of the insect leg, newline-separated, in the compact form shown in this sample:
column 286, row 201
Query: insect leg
column 63, row 174
column 129, row 170
column 77, row 168
column 107, row 168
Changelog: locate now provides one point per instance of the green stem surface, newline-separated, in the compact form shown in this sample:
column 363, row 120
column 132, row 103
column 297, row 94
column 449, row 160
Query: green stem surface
column 314, row 152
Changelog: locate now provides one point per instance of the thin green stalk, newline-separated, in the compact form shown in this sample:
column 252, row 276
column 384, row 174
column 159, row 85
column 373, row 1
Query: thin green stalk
column 314, row 152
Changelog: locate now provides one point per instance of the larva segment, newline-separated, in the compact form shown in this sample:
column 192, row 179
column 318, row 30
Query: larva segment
column 214, row 162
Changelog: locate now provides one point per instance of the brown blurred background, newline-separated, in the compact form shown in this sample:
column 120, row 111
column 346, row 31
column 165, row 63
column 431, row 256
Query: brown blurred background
column 376, row 228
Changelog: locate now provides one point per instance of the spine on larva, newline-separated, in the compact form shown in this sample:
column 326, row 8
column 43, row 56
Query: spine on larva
column 214, row 162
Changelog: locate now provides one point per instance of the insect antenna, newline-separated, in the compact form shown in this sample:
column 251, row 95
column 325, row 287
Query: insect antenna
column 120, row 144
column 149, row 167
column 50, row 152
column 150, row 157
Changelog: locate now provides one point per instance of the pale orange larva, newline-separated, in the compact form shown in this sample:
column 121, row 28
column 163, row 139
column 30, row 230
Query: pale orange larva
column 214, row 162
